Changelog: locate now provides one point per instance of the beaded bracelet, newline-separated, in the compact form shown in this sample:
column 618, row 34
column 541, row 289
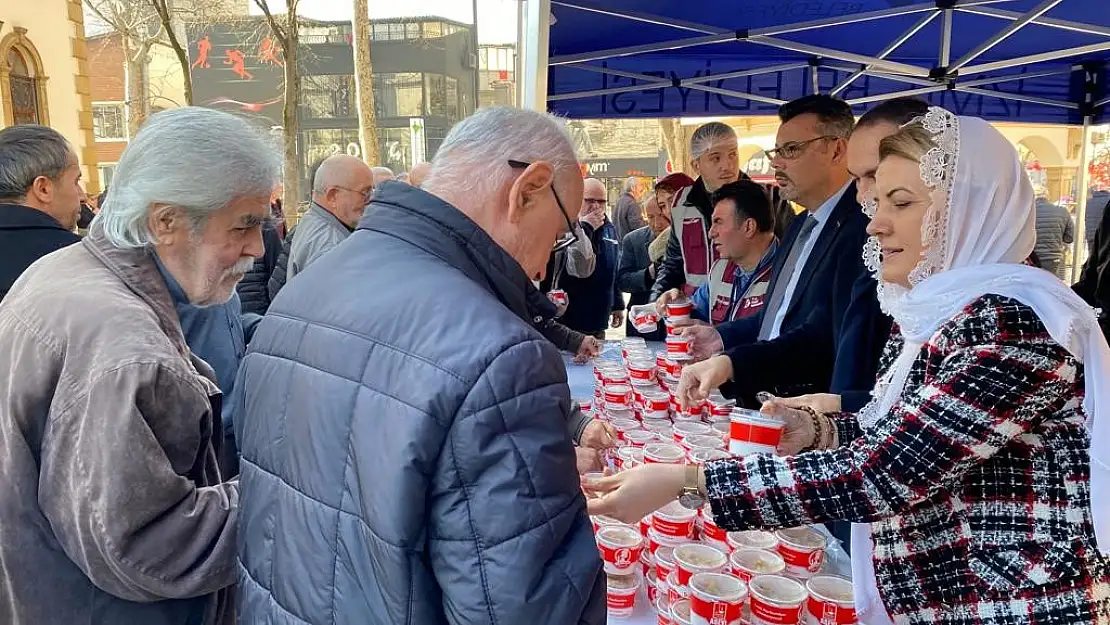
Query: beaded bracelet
column 818, row 429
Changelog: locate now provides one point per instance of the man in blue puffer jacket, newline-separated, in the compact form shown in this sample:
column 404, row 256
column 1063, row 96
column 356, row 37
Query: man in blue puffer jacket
column 405, row 456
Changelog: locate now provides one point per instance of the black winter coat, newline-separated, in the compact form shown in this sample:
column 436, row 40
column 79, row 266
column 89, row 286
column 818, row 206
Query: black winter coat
column 281, row 267
column 26, row 235
column 254, row 291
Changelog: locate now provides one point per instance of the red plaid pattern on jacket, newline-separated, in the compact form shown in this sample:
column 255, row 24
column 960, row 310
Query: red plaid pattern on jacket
column 976, row 484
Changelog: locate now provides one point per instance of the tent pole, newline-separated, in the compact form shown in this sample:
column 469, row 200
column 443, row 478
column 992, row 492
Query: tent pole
column 887, row 51
column 535, row 64
column 1077, row 246
column 945, row 56
column 1042, row 57
column 1043, row 7
column 518, row 54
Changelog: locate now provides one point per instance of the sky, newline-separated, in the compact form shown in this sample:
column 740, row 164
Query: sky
column 496, row 18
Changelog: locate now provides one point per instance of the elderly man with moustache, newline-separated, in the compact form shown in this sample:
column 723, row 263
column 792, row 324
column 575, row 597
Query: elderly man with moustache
column 405, row 424
column 112, row 504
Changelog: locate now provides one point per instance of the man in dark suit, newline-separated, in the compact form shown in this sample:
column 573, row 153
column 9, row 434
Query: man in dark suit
column 636, row 270
column 40, row 190
column 1094, row 283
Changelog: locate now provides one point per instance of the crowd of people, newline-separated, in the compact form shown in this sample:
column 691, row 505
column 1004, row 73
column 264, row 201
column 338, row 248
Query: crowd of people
column 366, row 419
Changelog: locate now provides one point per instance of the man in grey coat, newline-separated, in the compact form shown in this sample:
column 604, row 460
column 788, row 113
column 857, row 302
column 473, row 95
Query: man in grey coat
column 627, row 215
column 341, row 190
column 405, row 455
column 113, row 509
column 1055, row 231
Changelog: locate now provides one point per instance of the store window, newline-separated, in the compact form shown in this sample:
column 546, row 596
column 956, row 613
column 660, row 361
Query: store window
column 322, row 143
column 399, row 94
column 435, row 86
column 328, row 96
column 109, row 121
column 107, row 172
column 433, row 30
column 396, row 148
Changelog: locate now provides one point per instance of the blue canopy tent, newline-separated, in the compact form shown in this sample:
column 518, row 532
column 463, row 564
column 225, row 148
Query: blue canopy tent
column 1039, row 61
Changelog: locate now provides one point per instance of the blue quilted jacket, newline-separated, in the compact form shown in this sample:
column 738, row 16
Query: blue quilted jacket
column 405, row 457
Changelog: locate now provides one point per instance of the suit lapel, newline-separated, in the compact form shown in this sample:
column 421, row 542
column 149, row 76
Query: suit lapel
column 788, row 240
column 824, row 242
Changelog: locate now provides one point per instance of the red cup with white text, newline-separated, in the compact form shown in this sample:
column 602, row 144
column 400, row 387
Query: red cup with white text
column 693, row 558
column 776, row 600
column 716, row 599
column 664, row 453
column 620, row 548
column 803, row 549
column 830, row 601
column 680, row 309
column 674, row 521
column 747, row 563
column 558, row 297
column 753, row 433
column 621, row 591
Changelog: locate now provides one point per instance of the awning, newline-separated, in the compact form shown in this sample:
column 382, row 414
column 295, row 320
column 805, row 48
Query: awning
column 1041, row 61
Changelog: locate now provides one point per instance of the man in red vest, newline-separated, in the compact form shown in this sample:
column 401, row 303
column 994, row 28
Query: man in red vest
column 742, row 233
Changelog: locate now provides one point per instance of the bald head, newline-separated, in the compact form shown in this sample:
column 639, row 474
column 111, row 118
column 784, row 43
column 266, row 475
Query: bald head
column 419, row 173
column 342, row 186
column 593, row 201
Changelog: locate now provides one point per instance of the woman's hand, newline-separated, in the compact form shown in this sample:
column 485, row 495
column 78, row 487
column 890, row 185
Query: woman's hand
column 799, row 433
column 598, row 435
column 631, row 495
column 821, row 403
column 700, row 378
column 707, row 341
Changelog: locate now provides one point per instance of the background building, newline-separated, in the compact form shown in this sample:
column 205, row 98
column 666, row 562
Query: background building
column 424, row 77
column 44, row 73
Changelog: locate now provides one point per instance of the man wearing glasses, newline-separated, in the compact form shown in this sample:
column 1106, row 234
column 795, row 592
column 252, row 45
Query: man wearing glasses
column 340, row 192
column 593, row 301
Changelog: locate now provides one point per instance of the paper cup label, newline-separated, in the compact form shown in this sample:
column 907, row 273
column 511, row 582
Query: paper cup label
column 623, row 601
column 714, row 612
column 674, row 529
column 620, row 558
column 755, row 433
column 799, row 560
column 830, row 613
column 767, row 614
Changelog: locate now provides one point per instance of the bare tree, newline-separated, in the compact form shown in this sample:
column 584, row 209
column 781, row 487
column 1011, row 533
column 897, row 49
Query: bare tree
column 139, row 29
column 166, row 16
column 364, row 86
column 284, row 29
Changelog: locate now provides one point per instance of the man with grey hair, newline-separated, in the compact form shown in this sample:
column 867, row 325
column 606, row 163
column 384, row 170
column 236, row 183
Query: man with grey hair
column 113, row 506
column 406, row 424
column 627, row 215
column 341, row 190
column 419, row 173
column 381, row 174
column 40, row 198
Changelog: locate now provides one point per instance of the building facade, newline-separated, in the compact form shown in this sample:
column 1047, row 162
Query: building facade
column 424, row 75
column 44, row 77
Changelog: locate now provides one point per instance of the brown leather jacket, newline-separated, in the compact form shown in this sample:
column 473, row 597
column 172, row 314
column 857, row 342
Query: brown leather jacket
column 112, row 508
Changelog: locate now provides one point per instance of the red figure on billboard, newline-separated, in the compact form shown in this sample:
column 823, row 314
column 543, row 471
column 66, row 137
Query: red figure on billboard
column 267, row 53
column 237, row 61
column 204, row 46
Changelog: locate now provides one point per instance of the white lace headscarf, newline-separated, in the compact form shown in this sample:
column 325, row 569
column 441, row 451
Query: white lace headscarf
column 977, row 232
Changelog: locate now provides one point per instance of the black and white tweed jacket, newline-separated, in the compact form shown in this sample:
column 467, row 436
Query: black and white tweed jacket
column 976, row 484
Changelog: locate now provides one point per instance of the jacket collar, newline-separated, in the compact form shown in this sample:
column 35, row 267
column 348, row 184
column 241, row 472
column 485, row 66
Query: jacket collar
column 328, row 217
column 17, row 216
column 431, row 224
column 845, row 208
column 136, row 268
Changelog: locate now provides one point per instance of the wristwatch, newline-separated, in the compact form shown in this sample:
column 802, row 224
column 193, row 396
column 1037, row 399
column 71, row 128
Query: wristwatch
column 691, row 497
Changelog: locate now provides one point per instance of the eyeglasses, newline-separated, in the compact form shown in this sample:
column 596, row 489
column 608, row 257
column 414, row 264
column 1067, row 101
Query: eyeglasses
column 595, row 202
column 365, row 194
column 794, row 149
column 570, row 237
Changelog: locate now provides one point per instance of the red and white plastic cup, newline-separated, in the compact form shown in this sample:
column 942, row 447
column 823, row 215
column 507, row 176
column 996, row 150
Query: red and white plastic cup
column 803, row 549
column 661, row 428
column 753, row 539
column 558, row 297
column 630, row 456
column 657, row 400
column 702, row 441
column 620, row 548
column 680, row 309
column 623, row 425
column 647, row 561
column 710, row 530
column 830, row 601
column 748, row 563
column 652, row 586
column 617, row 394
column 664, row 562
column 621, row 591
column 679, row 347
column 676, row 592
column 716, row 599
column 753, row 433
column 663, row 609
column 680, row 612
column 702, row 455
column 776, row 600
column 657, row 541
column 644, row 318
column 639, row 438
column 599, row 521
column 674, row 521
column 671, row 367
column 694, row 558
column 683, row 429
column 721, row 407
column 664, row 453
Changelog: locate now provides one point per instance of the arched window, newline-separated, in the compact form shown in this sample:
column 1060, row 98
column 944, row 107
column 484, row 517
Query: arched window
column 22, row 81
column 25, row 101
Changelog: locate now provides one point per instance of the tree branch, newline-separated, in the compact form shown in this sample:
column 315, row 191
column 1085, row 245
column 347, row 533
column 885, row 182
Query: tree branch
column 264, row 6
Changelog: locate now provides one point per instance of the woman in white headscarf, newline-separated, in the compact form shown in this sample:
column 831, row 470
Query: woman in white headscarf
column 978, row 474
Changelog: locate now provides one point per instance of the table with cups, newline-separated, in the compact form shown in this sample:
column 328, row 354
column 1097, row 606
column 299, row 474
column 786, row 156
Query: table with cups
column 676, row 566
